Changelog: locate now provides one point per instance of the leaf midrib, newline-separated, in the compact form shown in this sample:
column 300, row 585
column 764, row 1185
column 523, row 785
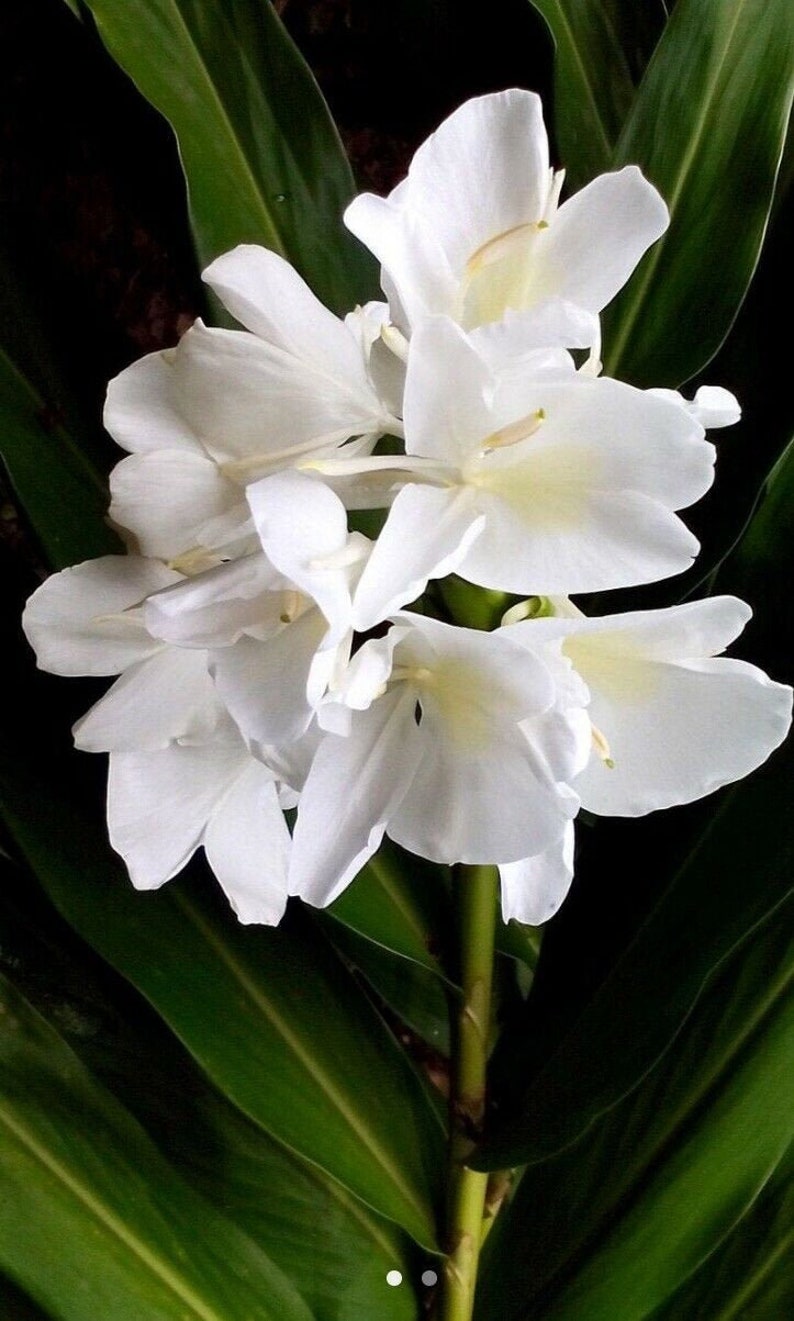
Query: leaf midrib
column 305, row 1058
column 108, row 1219
column 274, row 238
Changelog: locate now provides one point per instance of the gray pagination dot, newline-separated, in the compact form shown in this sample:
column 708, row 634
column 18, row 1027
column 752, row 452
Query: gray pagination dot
column 429, row 1277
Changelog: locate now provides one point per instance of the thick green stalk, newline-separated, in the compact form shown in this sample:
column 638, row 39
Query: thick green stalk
column 477, row 897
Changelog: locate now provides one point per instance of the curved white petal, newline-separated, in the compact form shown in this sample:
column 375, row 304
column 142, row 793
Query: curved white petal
column 533, row 889
column 217, row 607
column 302, row 526
column 679, row 731
column 597, row 237
column 427, row 534
column 550, row 323
column 483, row 790
column 166, row 697
column 264, row 684
column 141, row 411
column 167, row 498
column 350, row 795
column 84, row 620
column 247, row 844
column 247, row 399
column 267, row 295
column 447, row 408
column 159, row 803
column 574, row 539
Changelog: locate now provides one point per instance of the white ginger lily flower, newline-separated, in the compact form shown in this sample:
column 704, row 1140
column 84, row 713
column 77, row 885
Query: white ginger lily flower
column 277, row 623
column 227, row 407
column 180, row 774
column 475, row 227
column 542, row 480
column 452, row 743
column 672, row 719
column 165, row 804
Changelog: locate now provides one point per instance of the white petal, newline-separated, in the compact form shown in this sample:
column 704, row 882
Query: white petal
column 350, row 795
column 416, row 275
column 215, row 608
column 159, row 804
column 426, row 535
column 264, row 684
column 597, row 237
column 550, row 323
column 166, row 499
column 141, row 411
column 447, row 393
column 267, row 295
column 302, row 526
column 83, row 620
column 678, row 732
column 246, row 398
column 574, row 540
column 166, row 697
column 247, row 845
column 714, row 407
column 483, row 792
column 534, row 888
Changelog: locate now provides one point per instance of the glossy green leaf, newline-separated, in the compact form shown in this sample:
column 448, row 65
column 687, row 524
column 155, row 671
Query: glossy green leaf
column 401, row 903
column 752, row 1274
column 417, row 996
column 335, row 1250
column 272, row 1015
column 593, row 89
column 612, row 1227
column 82, row 1183
column 707, row 128
column 262, row 158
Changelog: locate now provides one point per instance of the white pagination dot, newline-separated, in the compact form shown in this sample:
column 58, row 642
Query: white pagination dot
column 429, row 1277
column 394, row 1278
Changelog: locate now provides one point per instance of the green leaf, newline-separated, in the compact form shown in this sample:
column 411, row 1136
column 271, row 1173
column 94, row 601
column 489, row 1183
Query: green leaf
column 751, row 1274
column 335, row 1250
column 260, row 152
column 401, row 903
column 271, row 1015
column 593, row 89
column 707, row 127
column 86, row 1185
column 46, row 443
column 651, row 1192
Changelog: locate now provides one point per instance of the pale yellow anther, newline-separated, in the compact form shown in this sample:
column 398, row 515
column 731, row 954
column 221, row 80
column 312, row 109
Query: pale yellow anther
column 515, row 432
column 602, row 748
column 291, row 602
column 504, row 245
column 196, row 560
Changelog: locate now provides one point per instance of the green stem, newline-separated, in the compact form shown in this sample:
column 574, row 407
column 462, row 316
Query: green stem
column 477, row 898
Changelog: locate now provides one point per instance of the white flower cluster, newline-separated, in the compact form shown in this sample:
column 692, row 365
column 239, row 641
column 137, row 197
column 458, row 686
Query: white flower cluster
column 265, row 652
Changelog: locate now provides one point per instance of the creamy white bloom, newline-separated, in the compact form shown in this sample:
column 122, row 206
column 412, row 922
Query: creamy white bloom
column 165, row 804
column 277, row 623
column 475, row 227
column 180, row 774
column 452, row 742
column 227, row 407
column 672, row 719
column 542, row 480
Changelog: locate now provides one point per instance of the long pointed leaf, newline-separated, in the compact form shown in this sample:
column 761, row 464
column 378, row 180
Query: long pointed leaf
column 707, row 126
column 80, row 1177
